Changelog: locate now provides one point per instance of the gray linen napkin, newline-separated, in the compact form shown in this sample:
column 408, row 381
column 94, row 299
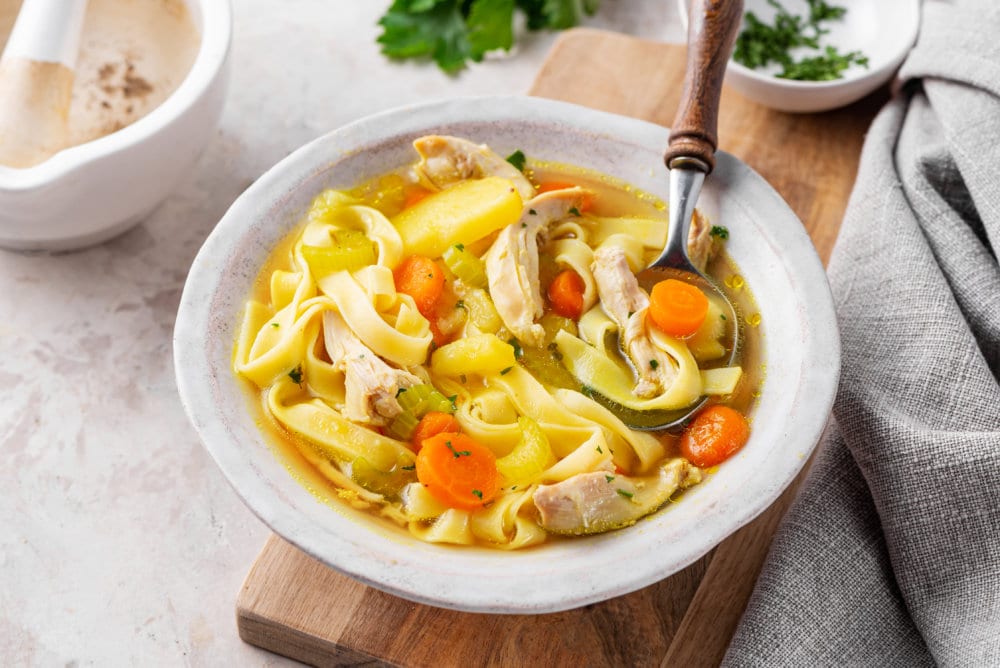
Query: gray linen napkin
column 890, row 555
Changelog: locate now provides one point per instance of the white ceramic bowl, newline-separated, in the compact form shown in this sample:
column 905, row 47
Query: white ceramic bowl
column 89, row 193
column 775, row 255
column 883, row 30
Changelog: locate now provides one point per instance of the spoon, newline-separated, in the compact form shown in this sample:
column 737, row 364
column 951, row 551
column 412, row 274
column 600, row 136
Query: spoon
column 36, row 80
column 690, row 157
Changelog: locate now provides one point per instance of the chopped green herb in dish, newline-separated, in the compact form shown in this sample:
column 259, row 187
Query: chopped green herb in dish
column 761, row 44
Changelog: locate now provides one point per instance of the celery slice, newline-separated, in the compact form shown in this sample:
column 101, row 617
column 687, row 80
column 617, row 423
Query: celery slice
column 465, row 265
column 351, row 250
column 403, row 426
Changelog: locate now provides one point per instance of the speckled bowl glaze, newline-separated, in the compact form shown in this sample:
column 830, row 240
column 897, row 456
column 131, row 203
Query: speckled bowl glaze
column 775, row 255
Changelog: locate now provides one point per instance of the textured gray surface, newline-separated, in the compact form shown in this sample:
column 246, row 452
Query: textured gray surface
column 122, row 544
column 891, row 554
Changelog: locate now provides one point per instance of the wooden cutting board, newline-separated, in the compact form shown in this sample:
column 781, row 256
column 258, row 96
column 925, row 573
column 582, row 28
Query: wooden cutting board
column 295, row 606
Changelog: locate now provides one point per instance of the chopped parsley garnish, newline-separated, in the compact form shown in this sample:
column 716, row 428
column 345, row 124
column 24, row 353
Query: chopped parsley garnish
column 460, row 247
column 523, row 225
column 517, row 159
column 463, row 378
column 274, row 324
column 460, row 304
column 626, row 494
column 400, row 391
column 609, row 478
column 478, row 494
column 454, row 405
column 296, row 375
column 457, row 453
column 723, row 316
column 600, row 450
column 516, row 345
column 575, row 211
column 653, row 364
column 532, row 212
column 504, row 372
column 411, row 467
column 720, row 232
column 761, row 43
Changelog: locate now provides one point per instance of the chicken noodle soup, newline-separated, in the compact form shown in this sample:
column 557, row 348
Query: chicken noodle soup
column 454, row 346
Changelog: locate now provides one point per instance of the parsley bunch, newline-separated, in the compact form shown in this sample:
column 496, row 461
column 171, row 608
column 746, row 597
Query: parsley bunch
column 760, row 43
column 453, row 32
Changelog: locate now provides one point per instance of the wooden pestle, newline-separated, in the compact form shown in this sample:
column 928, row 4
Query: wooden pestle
column 36, row 80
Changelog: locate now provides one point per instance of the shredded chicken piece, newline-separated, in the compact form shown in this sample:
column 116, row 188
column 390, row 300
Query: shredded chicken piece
column 700, row 244
column 446, row 160
column 512, row 263
column 598, row 501
column 371, row 384
column 626, row 304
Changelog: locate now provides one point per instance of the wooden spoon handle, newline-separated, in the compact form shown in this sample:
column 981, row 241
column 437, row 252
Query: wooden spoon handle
column 712, row 28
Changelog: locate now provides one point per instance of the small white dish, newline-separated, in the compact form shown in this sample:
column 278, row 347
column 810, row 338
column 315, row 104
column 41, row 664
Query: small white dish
column 799, row 338
column 883, row 30
column 89, row 193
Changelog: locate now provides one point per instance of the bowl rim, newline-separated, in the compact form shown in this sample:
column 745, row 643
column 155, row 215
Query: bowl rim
column 215, row 40
column 353, row 553
column 912, row 29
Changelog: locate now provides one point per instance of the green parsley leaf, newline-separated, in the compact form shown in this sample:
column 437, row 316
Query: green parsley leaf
column 504, row 372
column 457, row 453
column 296, row 375
column 411, row 467
column 575, row 211
column 274, row 324
column 653, row 364
column 626, row 494
column 478, row 493
column 719, row 231
column 517, row 159
column 516, row 345
column 609, row 478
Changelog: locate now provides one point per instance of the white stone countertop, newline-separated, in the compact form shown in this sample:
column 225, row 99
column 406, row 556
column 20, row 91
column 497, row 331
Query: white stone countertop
column 121, row 542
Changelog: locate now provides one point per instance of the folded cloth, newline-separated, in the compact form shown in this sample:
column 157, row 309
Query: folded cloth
column 890, row 555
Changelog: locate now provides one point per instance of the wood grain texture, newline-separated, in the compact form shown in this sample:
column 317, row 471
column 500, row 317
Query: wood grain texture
column 713, row 25
column 295, row 606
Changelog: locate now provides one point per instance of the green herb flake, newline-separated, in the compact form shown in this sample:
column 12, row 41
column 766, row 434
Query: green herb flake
column 720, row 232
column 411, row 467
column 723, row 316
column 523, row 225
column 463, row 379
column 517, row 159
column 598, row 448
column 460, row 304
column 504, row 372
column 457, row 453
column 460, row 247
column 626, row 494
column 400, row 391
column 274, row 324
column 653, row 364
column 609, row 478
column 575, row 211
column 516, row 345
column 478, row 493
column 532, row 212
column 296, row 375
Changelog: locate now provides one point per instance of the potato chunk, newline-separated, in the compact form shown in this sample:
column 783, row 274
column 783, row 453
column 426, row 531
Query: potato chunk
column 461, row 214
column 482, row 354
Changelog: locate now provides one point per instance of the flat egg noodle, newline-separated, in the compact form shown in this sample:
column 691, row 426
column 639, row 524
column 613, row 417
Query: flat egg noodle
column 596, row 370
column 504, row 523
column 404, row 348
column 276, row 351
column 652, row 233
column 452, row 527
column 336, row 438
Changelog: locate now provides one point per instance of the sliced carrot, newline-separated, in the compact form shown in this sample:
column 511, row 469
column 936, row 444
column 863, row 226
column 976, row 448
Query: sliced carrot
column 421, row 278
column 458, row 471
column 585, row 205
column 566, row 294
column 432, row 424
column 413, row 195
column 677, row 308
column 714, row 435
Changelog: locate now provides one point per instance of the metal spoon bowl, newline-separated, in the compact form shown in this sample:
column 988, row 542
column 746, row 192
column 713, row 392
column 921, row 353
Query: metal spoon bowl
column 690, row 157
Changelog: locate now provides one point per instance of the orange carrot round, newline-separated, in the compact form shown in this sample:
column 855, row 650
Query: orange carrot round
column 566, row 294
column 458, row 471
column 432, row 424
column 677, row 308
column 586, row 203
column 714, row 435
column 421, row 278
